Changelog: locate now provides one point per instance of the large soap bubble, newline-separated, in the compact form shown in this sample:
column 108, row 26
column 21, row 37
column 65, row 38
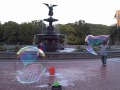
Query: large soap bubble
column 30, row 73
column 91, row 40
column 90, row 49
column 96, row 40
column 29, row 54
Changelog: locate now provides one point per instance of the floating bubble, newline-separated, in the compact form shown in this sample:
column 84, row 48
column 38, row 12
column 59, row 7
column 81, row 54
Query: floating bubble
column 29, row 71
column 30, row 74
column 96, row 40
column 89, row 49
column 29, row 54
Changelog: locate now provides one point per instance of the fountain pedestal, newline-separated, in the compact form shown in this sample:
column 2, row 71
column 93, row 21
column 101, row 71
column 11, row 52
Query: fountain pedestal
column 51, row 40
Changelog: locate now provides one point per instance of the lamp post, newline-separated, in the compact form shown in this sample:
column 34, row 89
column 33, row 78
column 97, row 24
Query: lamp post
column 42, row 26
column 34, row 39
column 117, row 16
column 118, row 32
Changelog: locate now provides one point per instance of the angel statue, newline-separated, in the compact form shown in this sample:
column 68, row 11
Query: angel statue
column 50, row 8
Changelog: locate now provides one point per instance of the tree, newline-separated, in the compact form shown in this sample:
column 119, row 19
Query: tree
column 98, row 29
column 10, row 32
column 1, row 33
column 81, row 30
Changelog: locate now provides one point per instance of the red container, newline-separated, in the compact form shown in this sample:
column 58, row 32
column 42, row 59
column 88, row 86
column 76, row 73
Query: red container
column 51, row 70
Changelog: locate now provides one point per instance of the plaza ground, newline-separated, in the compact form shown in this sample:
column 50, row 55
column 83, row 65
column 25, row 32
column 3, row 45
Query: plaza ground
column 80, row 74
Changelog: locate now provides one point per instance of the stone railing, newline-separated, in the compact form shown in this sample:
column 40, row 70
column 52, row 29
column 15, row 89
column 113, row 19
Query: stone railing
column 62, row 56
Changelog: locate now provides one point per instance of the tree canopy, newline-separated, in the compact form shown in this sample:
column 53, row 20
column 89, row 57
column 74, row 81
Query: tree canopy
column 12, row 32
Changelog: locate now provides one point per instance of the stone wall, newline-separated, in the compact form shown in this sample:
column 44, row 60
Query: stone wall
column 59, row 56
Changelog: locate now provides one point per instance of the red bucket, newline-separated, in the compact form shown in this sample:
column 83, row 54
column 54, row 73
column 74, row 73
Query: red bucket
column 51, row 70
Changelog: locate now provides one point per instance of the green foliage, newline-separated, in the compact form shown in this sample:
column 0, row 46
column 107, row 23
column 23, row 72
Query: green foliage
column 2, row 48
column 79, row 48
column 99, row 29
column 75, row 32
column 17, row 48
column 72, row 39
column 12, row 33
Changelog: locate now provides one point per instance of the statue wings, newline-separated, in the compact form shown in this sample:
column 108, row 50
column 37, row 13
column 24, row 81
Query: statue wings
column 54, row 5
column 48, row 5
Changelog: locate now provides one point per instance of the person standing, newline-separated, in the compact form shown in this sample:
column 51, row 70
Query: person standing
column 41, row 46
column 103, row 52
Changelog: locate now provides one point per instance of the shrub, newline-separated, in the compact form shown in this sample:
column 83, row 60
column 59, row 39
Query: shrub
column 2, row 48
column 79, row 48
column 17, row 48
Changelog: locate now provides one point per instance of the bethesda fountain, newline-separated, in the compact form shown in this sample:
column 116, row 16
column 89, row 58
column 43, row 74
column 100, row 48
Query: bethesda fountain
column 51, row 39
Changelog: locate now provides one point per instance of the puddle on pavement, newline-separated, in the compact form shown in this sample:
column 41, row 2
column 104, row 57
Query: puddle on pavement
column 114, row 59
column 57, row 77
column 63, row 83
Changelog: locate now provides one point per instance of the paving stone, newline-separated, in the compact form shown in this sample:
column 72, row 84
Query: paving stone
column 72, row 74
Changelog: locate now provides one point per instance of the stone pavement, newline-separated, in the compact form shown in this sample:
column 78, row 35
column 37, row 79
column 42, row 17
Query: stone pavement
column 71, row 74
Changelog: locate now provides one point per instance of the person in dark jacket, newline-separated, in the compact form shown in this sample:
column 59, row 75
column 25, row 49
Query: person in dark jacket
column 42, row 47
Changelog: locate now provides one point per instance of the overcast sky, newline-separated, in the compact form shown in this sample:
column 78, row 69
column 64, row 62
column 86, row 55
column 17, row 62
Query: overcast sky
column 67, row 11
